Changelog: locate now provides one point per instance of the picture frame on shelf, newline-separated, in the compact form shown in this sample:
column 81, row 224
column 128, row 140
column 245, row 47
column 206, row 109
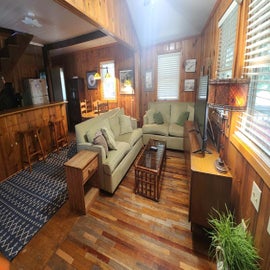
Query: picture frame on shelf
column 148, row 83
column 190, row 65
column 90, row 79
column 126, row 78
column 189, row 85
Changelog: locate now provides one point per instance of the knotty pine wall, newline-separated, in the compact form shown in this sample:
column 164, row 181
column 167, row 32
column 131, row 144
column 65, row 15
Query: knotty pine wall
column 188, row 48
column 243, row 166
column 78, row 63
column 104, row 15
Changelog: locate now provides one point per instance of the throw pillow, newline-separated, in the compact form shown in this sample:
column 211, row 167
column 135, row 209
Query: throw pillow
column 108, row 135
column 100, row 140
column 183, row 117
column 158, row 118
column 125, row 124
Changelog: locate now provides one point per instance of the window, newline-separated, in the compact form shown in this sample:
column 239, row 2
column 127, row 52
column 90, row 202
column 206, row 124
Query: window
column 227, row 34
column 255, row 123
column 108, row 82
column 168, row 76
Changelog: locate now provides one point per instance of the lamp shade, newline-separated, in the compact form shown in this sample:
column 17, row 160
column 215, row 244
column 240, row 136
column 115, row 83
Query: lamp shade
column 231, row 94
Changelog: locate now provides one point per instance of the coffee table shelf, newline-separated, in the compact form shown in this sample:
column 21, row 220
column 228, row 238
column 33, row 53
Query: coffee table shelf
column 148, row 168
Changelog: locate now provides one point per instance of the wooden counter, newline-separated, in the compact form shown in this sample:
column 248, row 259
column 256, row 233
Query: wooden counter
column 20, row 119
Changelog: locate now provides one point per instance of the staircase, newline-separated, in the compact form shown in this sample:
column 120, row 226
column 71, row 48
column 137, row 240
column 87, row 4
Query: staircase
column 13, row 48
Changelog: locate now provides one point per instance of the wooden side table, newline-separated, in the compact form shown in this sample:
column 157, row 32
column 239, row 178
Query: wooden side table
column 79, row 170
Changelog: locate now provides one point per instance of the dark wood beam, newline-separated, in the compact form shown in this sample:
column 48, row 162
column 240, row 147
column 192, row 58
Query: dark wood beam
column 76, row 40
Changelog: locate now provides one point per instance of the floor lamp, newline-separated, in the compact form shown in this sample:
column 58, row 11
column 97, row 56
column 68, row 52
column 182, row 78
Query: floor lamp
column 227, row 95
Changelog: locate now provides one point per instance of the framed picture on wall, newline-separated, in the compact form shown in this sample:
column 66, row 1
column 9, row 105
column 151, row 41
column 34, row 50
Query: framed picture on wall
column 148, row 83
column 90, row 79
column 126, row 82
column 189, row 85
column 190, row 65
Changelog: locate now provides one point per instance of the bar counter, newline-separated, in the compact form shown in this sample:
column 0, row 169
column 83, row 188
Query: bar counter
column 17, row 120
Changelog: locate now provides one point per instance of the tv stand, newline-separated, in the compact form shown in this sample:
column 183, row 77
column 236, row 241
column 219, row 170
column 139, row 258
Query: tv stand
column 202, row 151
column 208, row 188
column 197, row 148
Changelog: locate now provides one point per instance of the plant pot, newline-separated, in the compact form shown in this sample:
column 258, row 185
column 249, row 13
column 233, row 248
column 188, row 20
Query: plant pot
column 220, row 261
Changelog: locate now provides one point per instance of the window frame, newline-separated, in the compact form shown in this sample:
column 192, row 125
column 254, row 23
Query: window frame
column 224, row 26
column 168, row 78
column 106, row 82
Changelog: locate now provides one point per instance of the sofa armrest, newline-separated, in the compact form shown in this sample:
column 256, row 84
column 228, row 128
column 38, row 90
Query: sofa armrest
column 93, row 147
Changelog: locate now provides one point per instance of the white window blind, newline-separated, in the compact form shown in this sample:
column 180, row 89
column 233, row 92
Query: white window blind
column 108, row 84
column 168, row 76
column 255, row 123
column 227, row 27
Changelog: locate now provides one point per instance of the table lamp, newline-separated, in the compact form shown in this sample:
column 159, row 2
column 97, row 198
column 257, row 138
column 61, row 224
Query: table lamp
column 227, row 95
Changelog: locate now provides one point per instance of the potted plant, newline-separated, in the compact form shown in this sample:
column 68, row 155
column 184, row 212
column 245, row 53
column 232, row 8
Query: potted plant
column 231, row 244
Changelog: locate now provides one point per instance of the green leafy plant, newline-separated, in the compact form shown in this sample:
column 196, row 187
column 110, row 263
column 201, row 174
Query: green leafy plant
column 231, row 244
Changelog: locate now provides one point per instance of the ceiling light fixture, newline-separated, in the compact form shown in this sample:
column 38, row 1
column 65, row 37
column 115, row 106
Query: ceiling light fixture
column 30, row 20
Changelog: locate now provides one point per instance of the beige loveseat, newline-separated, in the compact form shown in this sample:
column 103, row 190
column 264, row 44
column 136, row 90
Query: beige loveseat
column 165, row 120
column 125, row 143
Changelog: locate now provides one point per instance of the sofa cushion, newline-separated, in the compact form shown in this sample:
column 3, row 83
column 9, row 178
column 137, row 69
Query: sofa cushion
column 176, row 130
column 132, row 137
column 182, row 118
column 156, row 129
column 125, row 124
column 177, row 109
column 107, row 133
column 115, row 157
column 163, row 107
column 115, row 124
column 190, row 109
column 158, row 118
column 94, row 127
column 150, row 116
column 100, row 140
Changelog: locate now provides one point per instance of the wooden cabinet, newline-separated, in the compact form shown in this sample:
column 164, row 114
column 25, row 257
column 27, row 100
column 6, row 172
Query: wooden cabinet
column 75, row 94
column 79, row 170
column 208, row 188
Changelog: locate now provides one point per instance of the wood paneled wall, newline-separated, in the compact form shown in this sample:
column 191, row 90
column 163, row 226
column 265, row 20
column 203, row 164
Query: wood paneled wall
column 78, row 63
column 243, row 171
column 110, row 16
column 188, row 48
column 14, row 121
column 29, row 66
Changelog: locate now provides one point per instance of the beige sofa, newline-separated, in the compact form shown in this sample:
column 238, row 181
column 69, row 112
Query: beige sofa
column 165, row 120
column 125, row 142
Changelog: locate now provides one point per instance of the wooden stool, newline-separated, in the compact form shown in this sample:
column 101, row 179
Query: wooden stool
column 59, row 134
column 32, row 145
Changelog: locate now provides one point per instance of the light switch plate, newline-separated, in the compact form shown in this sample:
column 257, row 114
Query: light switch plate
column 256, row 196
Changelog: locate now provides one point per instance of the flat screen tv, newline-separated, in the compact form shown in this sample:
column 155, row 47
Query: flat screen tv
column 201, row 113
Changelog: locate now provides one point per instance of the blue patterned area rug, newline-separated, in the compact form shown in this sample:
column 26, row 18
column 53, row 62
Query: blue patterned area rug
column 29, row 200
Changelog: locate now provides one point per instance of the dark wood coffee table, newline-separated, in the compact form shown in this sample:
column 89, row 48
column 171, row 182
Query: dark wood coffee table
column 148, row 167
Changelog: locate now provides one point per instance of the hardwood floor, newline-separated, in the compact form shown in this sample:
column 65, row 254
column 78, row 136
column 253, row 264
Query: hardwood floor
column 123, row 231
